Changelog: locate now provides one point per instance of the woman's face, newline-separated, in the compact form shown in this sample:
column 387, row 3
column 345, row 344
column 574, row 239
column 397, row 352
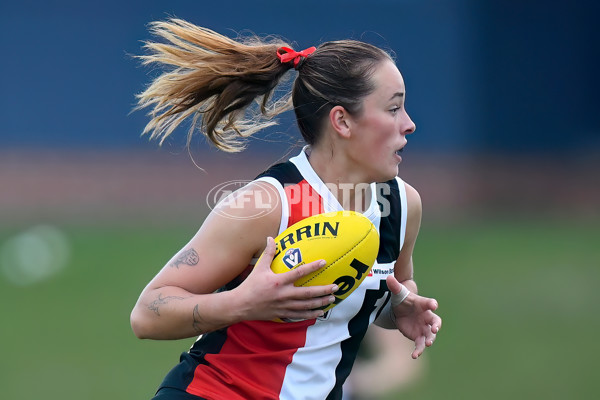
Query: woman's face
column 379, row 132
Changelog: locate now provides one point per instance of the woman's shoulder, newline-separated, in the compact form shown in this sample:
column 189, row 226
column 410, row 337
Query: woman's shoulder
column 256, row 202
column 243, row 219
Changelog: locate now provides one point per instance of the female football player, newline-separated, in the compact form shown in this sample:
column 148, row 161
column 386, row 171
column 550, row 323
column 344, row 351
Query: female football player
column 349, row 101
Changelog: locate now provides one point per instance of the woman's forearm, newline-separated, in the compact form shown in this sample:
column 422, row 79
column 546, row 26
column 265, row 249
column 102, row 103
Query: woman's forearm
column 174, row 313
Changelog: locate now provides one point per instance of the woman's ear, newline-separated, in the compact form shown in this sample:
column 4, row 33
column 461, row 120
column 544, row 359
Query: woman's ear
column 340, row 121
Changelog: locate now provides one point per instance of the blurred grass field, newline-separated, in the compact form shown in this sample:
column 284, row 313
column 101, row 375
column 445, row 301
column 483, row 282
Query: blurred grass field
column 518, row 298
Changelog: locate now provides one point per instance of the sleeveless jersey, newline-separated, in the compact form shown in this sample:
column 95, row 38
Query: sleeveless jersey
column 308, row 359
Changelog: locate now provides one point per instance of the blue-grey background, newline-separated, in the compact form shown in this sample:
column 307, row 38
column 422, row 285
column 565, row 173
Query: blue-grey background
column 501, row 76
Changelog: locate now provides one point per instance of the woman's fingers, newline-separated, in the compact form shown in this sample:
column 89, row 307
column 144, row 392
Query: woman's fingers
column 308, row 296
column 430, row 338
column 302, row 315
column 305, row 309
column 435, row 322
column 393, row 284
column 432, row 304
column 310, row 304
column 279, row 297
column 308, row 292
column 293, row 275
column 303, row 270
column 419, row 347
column 266, row 258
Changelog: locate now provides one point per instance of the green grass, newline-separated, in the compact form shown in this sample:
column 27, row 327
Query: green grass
column 519, row 303
column 520, row 309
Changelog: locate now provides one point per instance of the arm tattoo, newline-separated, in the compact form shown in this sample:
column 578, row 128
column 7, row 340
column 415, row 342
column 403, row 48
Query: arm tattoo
column 187, row 257
column 155, row 305
column 198, row 320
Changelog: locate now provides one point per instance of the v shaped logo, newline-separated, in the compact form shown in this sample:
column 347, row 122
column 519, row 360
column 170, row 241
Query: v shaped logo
column 292, row 258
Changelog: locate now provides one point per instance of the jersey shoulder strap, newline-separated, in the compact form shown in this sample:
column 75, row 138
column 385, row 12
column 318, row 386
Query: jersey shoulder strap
column 286, row 173
column 391, row 197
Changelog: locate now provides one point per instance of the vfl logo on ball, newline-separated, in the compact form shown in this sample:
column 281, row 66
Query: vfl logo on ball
column 292, row 257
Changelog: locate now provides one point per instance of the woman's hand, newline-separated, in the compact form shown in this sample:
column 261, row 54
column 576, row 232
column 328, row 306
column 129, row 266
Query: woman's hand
column 415, row 318
column 265, row 295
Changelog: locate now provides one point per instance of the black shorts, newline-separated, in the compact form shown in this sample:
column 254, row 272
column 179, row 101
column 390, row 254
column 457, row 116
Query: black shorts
column 167, row 393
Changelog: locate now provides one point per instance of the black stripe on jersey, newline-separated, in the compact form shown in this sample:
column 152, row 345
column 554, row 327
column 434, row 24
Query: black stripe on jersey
column 388, row 198
column 183, row 373
column 167, row 393
column 285, row 173
column 357, row 328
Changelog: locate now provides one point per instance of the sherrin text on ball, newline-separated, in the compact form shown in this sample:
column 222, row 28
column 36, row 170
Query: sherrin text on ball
column 346, row 240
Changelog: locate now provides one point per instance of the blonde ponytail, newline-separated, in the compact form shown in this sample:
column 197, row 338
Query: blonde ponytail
column 225, row 86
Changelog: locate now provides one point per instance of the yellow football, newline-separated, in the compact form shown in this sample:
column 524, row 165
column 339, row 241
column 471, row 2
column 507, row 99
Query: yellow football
column 346, row 240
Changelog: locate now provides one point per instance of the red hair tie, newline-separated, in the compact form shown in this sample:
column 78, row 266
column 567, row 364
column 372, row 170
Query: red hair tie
column 286, row 55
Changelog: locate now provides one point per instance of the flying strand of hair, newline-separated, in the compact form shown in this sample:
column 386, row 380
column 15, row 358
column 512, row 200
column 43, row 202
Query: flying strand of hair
column 225, row 88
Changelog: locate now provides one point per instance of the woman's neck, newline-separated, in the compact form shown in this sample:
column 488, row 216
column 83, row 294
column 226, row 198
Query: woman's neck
column 341, row 178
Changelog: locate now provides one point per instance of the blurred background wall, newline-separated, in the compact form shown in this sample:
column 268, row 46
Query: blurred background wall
column 504, row 94
column 493, row 86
